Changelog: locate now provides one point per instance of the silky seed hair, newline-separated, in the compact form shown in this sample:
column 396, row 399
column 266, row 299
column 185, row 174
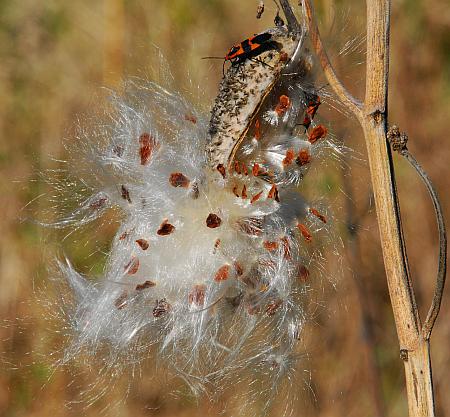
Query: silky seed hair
column 210, row 268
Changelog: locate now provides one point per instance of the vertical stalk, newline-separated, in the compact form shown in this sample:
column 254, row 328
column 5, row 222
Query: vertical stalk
column 415, row 350
column 372, row 115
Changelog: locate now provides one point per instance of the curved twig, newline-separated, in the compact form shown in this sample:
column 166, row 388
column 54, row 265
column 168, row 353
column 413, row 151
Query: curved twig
column 442, row 265
column 343, row 94
column 399, row 141
column 292, row 21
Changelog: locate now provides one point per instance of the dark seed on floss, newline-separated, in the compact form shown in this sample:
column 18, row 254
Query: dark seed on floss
column 257, row 129
column 273, row 306
column 286, row 247
column 256, row 197
column 221, row 169
column 255, row 170
column 213, row 221
column 321, row 217
column 244, row 192
column 244, row 169
column 273, row 193
column 121, row 301
column 98, row 203
column 290, row 155
column 302, row 273
column 165, row 229
column 125, row 193
column 145, row 285
column 161, row 308
column 177, row 179
column 223, row 273
column 238, row 269
column 216, row 245
column 124, row 235
column 143, row 244
column 270, row 246
column 283, row 105
column 305, row 232
column 303, row 158
column 197, row 295
column 317, row 133
column 133, row 266
column 147, row 145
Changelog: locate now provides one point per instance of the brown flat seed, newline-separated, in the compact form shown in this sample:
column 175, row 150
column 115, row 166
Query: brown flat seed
column 257, row 129
column 238, row 268
column 147, row 145
column 273, row 306
column 303, row 158
column 145, row 285
column 177, row 179
column 256, row 197
column 121, row 301
column 283, row 105
column 305, row 232
column 286, row 247
column 244, row 169
column 221, row 169
column 132, row 267
column 303, row 273
column 244, row 191
column 223, row 273
column 216, row 245
column 273, row 193
column 213, row 221
column 124, row 235
column 255, row 170
column 161, row 308
column 98, row 203
column 270, row 246
column 125, row 193
column 143, row 244
column 290, row 155
column 165, row 229
column 197, row 295
column 321, row 217
column 317, row 133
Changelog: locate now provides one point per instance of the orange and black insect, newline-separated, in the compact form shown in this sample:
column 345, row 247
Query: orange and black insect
column 247, row 49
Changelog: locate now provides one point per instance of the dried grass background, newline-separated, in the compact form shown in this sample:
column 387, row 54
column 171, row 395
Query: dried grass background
column 55, row 55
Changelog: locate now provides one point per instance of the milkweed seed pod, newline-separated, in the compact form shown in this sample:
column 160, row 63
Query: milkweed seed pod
column 211, row 261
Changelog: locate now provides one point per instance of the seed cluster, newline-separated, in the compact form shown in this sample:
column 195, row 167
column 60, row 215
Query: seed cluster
column 211, row 261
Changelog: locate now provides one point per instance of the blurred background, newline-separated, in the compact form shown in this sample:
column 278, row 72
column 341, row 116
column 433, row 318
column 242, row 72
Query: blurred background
column 55, row 56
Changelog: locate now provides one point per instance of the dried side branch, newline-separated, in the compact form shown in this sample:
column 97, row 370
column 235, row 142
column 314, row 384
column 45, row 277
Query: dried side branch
column 399, row 141
column 343, row 94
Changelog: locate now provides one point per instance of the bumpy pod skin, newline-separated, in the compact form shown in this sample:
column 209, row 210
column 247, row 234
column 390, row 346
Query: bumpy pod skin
column 241, row 94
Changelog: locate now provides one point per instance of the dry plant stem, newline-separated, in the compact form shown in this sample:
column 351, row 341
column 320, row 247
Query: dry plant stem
column 372, row 117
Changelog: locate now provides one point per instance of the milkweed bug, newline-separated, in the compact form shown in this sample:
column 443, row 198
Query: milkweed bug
column 247, row 49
